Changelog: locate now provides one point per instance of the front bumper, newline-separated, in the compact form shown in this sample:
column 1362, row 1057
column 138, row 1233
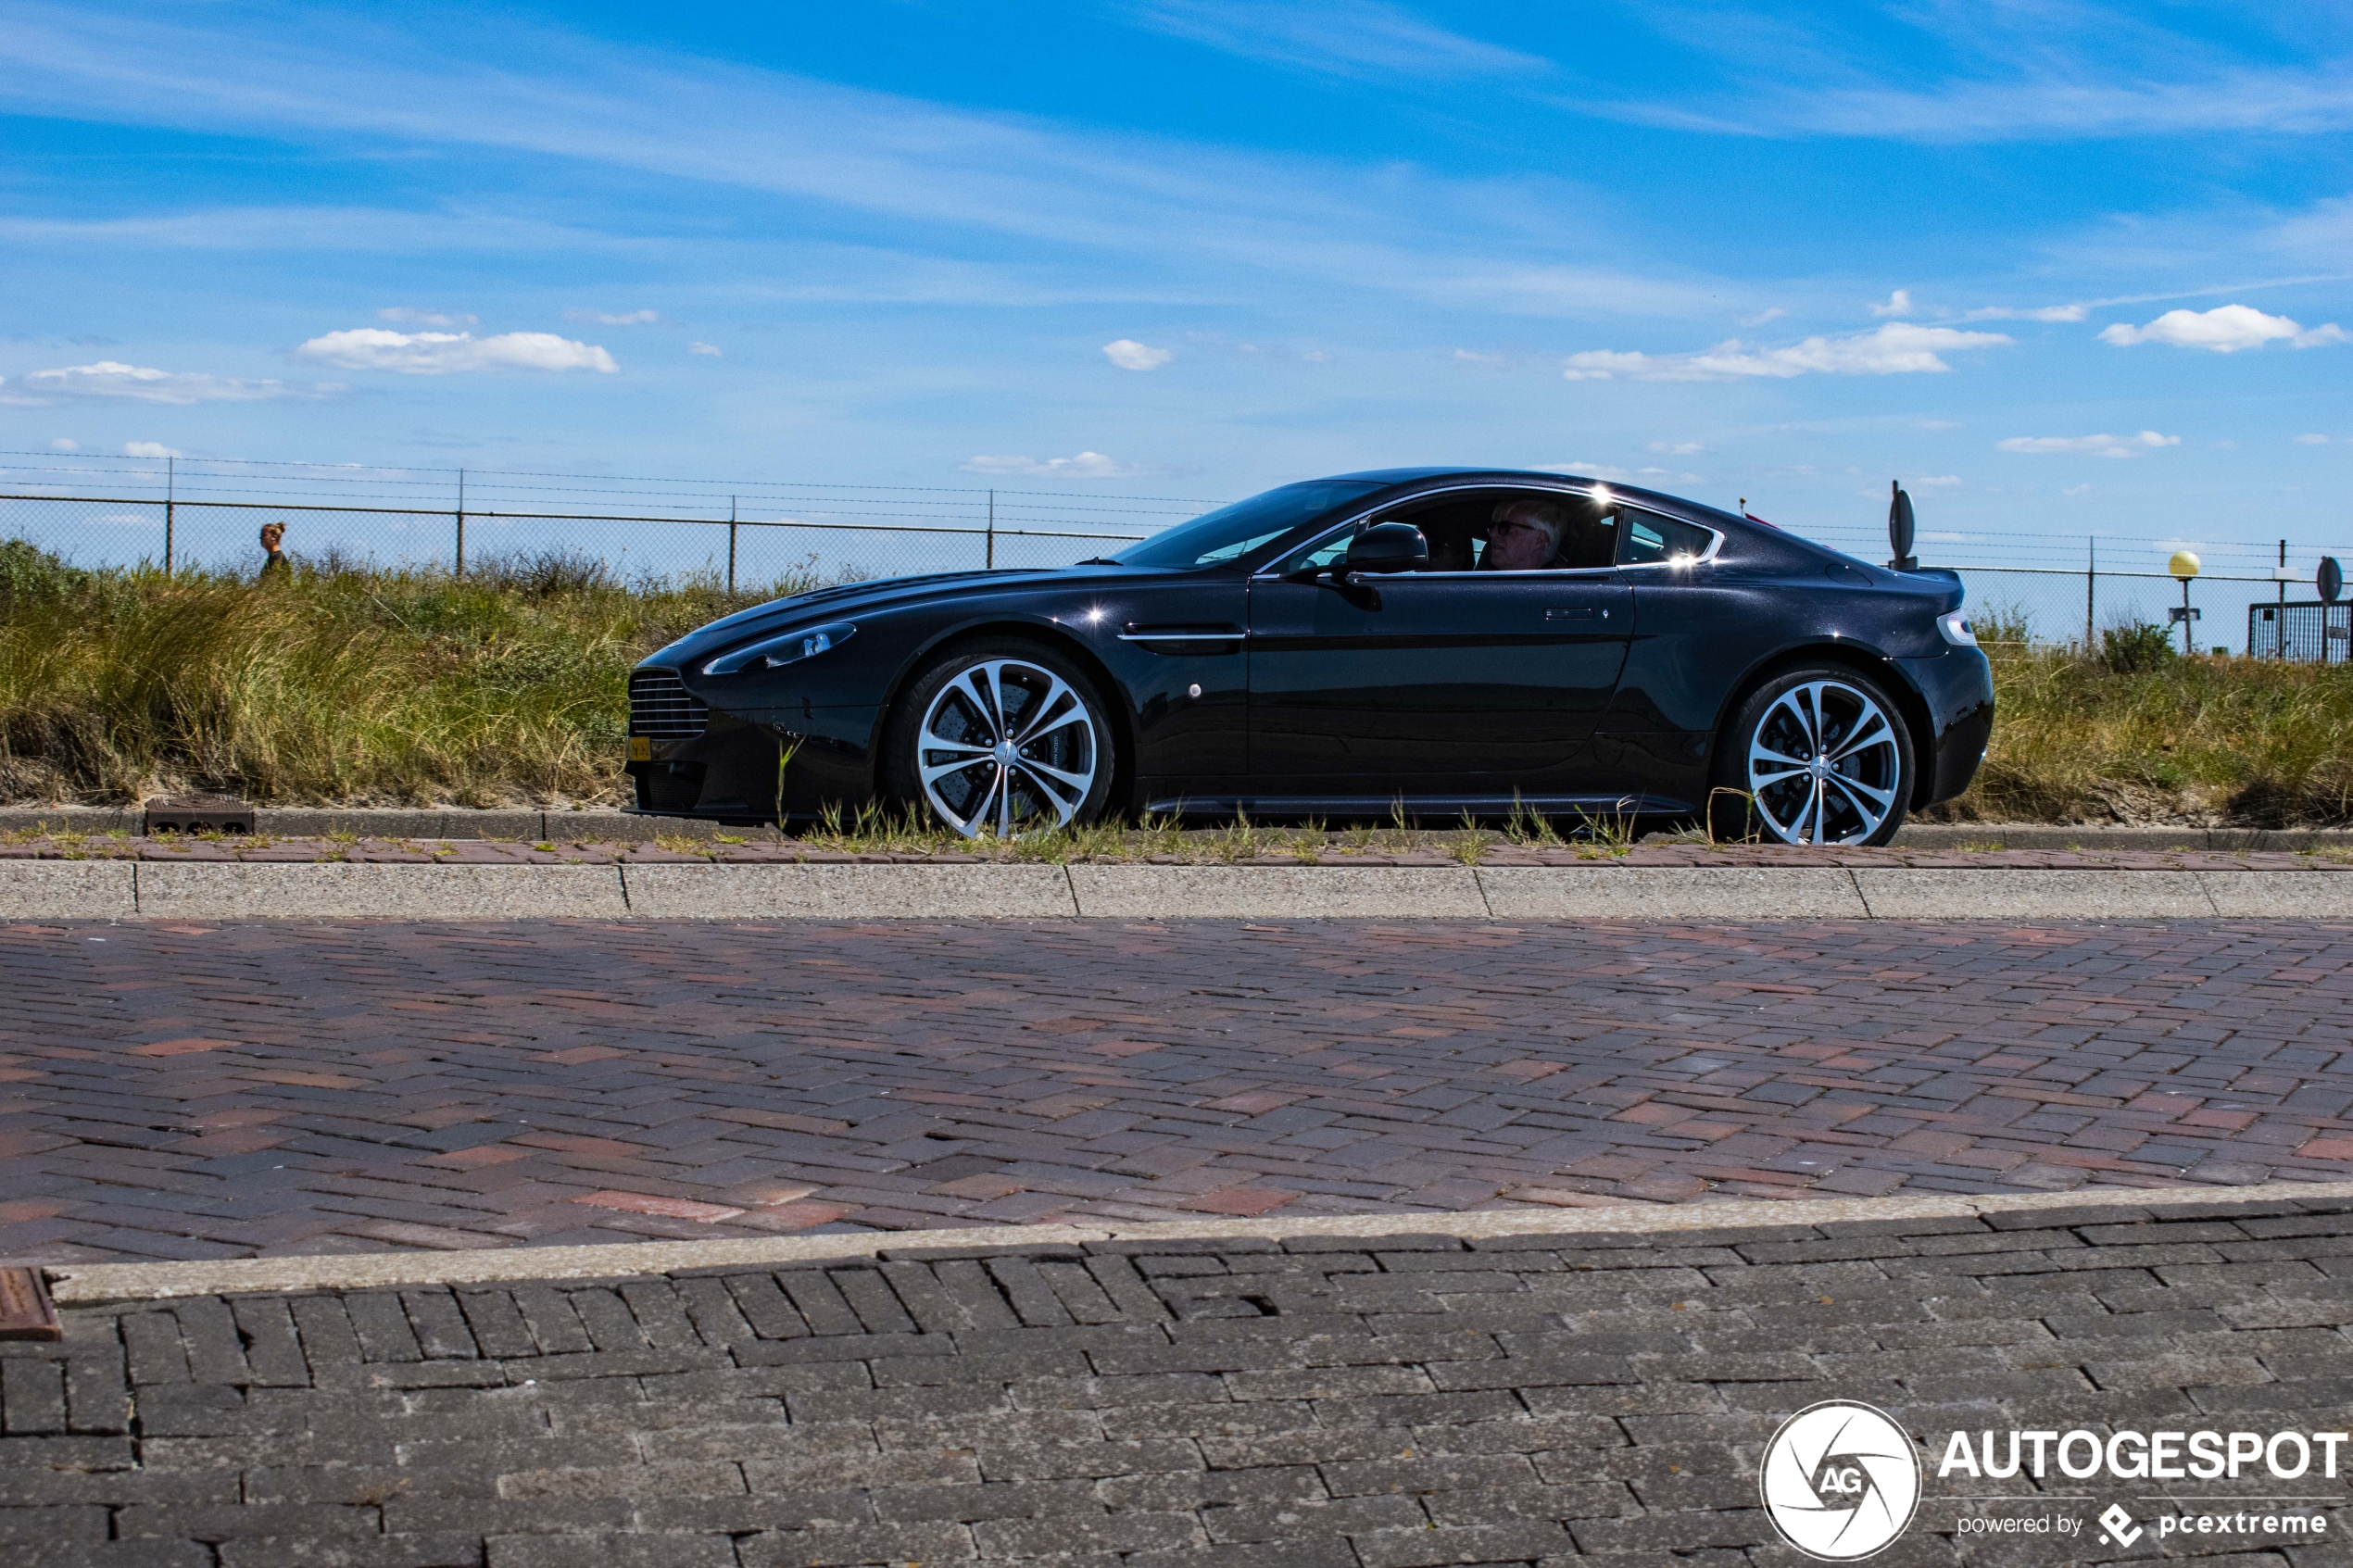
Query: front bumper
column 744, row 768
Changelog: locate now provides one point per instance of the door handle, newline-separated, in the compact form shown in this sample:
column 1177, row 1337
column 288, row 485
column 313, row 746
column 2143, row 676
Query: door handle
column 1577, row 612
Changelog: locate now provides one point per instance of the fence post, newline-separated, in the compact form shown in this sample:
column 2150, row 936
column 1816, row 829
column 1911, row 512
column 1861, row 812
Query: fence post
column 461, row 522
column 2090, row 585
column 170, row 497
column 731, row 543
column 2280, row 630
column 992, row 530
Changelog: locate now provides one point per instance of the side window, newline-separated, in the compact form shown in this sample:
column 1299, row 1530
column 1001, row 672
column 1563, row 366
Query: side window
column 1546, row 530
column 1646, row 537
column 1325, row 553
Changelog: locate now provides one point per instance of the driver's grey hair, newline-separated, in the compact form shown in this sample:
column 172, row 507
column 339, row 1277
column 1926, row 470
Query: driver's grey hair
column 1551, row 516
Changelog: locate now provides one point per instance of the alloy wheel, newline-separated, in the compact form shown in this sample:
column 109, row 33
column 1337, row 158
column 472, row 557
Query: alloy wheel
column 1824, row 765
column 1006, row 746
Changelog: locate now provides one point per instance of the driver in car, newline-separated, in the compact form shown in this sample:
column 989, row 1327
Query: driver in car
column 1524, row 536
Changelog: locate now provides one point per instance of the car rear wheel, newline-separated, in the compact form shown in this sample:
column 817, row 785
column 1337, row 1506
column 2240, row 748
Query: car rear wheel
column 1819, row 756
column 1003, row 737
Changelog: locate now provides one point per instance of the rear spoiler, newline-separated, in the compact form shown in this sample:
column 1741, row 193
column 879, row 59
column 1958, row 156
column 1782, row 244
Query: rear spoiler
column 1943, row 574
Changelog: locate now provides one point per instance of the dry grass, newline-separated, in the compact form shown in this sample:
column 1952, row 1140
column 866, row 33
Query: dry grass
column 335, row 685
column 2132, row 737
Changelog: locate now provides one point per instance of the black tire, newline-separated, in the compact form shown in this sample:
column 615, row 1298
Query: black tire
column 1860, row 794
column 1060, row 728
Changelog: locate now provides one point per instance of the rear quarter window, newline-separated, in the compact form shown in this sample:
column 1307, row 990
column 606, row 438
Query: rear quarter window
column 1646, row 537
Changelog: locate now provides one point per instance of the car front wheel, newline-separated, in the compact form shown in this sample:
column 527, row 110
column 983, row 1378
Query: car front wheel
column 1819, row 756
column 1004, row 738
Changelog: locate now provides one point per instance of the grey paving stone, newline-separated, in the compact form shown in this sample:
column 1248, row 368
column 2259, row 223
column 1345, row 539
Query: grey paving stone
column 1074, row 1423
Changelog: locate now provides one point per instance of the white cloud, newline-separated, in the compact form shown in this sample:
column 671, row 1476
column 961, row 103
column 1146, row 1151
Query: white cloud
column 1898, row 304
column 1936, row 481
column 1467, row 356
column 2076, row 490
column 1773, row 313
column 1603, row 364
column 2316, row 439
column 1086, row 465
column 1317, row 356
column 1677, row 448
column 2226, row 329
column 1936, row 424
column 434, row 354
column 62, row 445
column 149, row 450
column 715, row 352
column 2037, row 313
column 1197, row 213
column 111, row 378
column 426, row 317
column 2090, row 446
column 610, row 319
column 1359, row 38
column 1129, row 355
column 1896, row 348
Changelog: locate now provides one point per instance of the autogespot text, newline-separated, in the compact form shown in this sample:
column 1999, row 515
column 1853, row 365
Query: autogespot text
column 2145, row 1456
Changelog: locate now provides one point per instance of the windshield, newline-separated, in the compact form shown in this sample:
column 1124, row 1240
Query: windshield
column 1230, row 533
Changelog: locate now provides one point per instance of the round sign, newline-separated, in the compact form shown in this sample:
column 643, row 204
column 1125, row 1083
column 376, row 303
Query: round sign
column 2184, row 564
column 2332, row 579
column 1840, row 1480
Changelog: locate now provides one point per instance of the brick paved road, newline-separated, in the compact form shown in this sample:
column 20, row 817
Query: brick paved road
column 1135, row 1405
column 184, row 1091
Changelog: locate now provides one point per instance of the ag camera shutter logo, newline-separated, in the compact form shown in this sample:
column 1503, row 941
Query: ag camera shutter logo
column 1841, row 1480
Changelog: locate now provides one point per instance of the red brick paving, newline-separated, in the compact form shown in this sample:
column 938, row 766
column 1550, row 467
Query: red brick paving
column 197, row 1091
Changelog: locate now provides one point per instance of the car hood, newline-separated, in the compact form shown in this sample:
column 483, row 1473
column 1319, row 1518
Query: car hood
column 848, row 601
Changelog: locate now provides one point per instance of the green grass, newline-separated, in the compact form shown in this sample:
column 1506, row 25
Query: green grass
column 2138, row 733
column 349, row 686
column 335, row 684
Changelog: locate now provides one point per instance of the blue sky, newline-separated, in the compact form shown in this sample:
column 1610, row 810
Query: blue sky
column 2063, row 268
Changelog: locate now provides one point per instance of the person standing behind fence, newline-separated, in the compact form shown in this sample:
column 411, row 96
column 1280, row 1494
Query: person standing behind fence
column 278, row 566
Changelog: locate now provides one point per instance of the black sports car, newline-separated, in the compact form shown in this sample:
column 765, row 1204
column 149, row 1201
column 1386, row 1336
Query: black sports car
column 1445, row 640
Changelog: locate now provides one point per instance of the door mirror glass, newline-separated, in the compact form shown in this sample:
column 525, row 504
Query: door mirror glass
column 1389, row 547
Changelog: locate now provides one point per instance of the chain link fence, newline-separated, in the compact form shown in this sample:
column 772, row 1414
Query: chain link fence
column 181, row 515
column 103, row 510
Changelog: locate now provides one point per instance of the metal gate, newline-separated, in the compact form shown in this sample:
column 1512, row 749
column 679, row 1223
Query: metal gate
column 2309, row 633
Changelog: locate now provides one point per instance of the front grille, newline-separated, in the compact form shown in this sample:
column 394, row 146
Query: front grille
column 662, row 708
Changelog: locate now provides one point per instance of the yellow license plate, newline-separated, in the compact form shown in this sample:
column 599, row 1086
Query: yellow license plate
column 641, row 749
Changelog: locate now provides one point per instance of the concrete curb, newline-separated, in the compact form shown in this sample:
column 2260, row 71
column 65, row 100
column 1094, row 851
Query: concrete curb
column 846, row 892
column 80, row 1284
column 1612, row 892
column 35, row 890
column 1279, row 892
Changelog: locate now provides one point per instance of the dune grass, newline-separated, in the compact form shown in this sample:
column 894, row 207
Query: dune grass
column 334, row 683
column 2135, row 732
column 346, row 684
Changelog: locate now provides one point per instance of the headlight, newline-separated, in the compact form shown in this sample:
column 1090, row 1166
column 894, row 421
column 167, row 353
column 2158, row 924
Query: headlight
column 789, row 648
column 1953, row 628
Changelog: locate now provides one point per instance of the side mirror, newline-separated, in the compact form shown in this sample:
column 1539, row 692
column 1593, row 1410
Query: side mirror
column 1387, row 546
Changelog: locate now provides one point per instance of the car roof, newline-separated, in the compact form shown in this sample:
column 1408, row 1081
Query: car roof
column 1548, row 476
